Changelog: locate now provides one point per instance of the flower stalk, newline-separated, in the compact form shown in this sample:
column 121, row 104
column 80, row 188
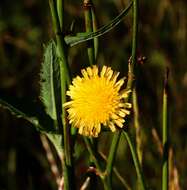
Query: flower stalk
column 57, row 12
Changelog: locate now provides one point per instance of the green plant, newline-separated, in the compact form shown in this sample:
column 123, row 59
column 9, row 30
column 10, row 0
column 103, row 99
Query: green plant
column 55, row 80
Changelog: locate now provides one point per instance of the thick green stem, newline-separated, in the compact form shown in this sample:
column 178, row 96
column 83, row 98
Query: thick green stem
column 60, row 42
column 136, row 160
column 57, row 18
column 111, row 157
column 165, row 136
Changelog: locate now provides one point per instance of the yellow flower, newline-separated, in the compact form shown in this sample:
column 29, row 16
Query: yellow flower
column 96, row 100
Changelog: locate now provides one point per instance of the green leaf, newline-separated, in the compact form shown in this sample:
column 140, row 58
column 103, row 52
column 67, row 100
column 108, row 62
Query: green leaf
column 50, row 81
column 18, row 113
column 35, row 115
column 82, row 37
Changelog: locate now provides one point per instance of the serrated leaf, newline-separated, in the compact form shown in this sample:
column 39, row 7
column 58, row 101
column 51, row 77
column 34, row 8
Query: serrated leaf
column 82, row 37
column 50, row 82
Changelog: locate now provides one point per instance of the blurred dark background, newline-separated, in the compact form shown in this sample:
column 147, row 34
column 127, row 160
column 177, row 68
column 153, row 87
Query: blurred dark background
column 25, row 25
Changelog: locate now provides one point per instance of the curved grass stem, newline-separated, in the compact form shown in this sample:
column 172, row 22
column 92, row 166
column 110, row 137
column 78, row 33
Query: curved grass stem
column 136, row 160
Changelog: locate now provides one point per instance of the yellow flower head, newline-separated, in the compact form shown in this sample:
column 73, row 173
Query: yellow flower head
column 96, row 100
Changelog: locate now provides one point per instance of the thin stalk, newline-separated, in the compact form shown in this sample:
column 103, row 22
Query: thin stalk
column 69, row 183
column 60, row 11
column 96, row 162
column 136, row 160
column 165, row 165
column 111, row 157
column 116, row 172
column 121, row 179
column 132, row 63
column 96, row 40
column 92, row 154
column 89, row 28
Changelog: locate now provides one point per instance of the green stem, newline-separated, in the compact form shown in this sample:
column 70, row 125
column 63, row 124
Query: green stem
column 136, row 160
column 57, row 18
column 88, row 6
column 92, row 154
column 95, row 161
column 60, row 11
column 111, row 157
column 82, row 37
column 132, row 63
column 118, row 175
column 106, row 185
column 96, row 40
column 165, row 136
column 60, row 42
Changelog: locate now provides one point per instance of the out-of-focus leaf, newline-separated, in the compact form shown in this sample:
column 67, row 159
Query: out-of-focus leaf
column 18, row 113
column 82, row 37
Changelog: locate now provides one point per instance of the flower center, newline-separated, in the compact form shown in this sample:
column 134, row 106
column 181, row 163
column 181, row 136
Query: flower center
column 98, row 99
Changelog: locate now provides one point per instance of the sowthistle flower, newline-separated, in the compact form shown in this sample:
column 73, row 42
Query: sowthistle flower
column 96, row 100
